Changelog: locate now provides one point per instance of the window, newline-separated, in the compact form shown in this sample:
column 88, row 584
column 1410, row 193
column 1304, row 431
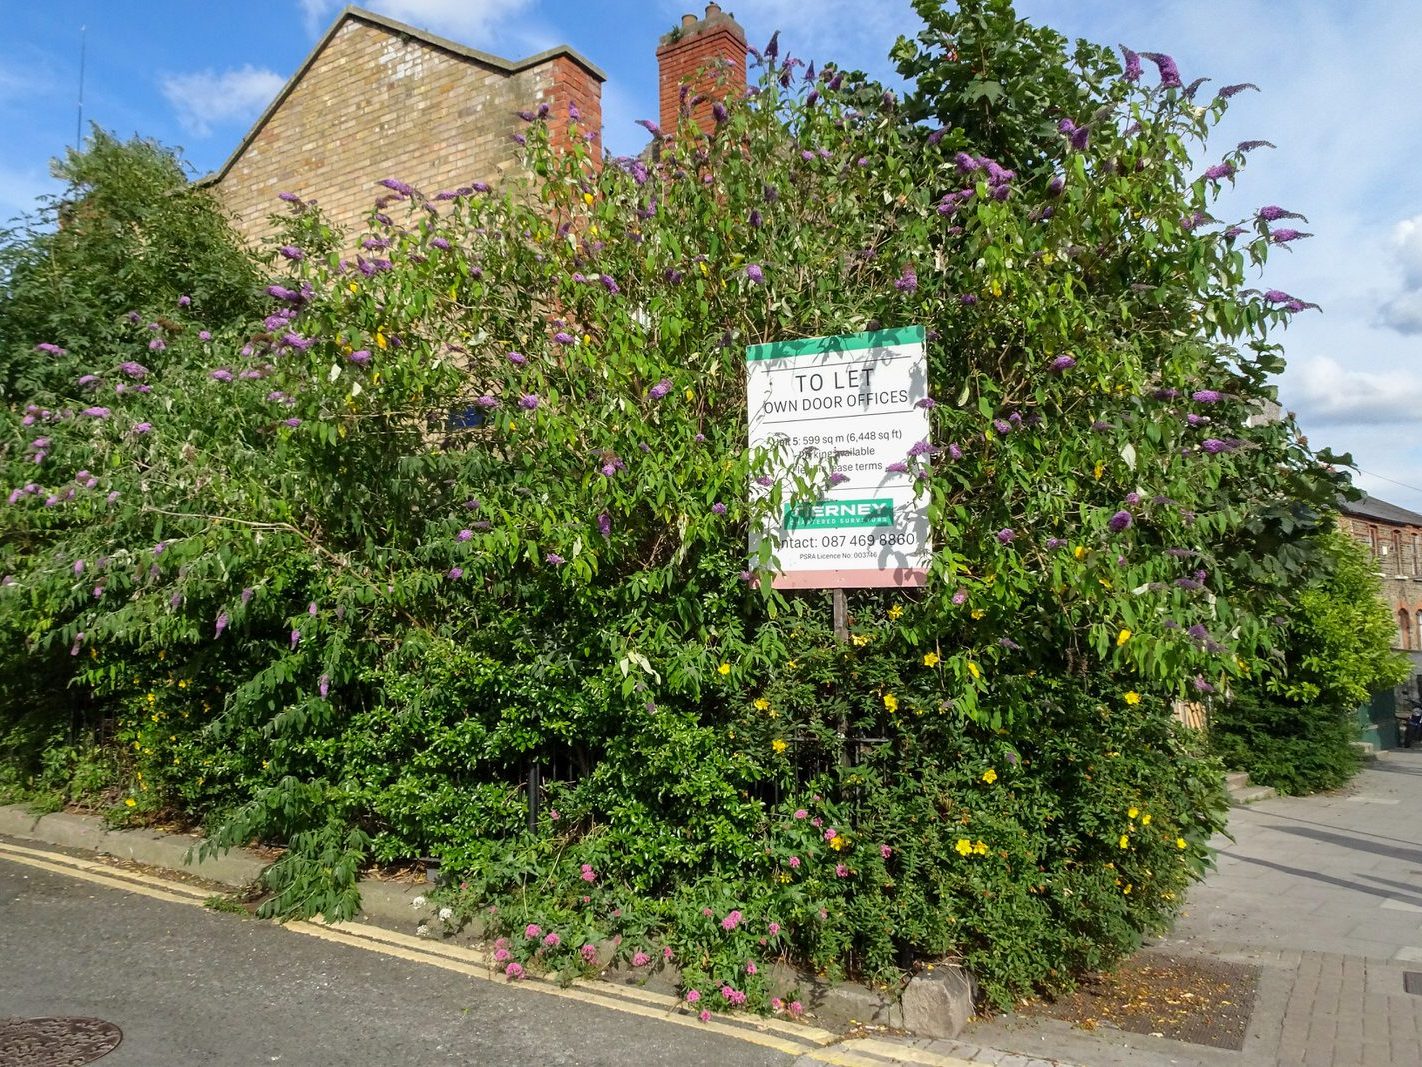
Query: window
column 1404, row 626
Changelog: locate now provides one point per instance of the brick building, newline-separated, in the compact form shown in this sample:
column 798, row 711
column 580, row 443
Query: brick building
column 379, row 99
column 1394, row 536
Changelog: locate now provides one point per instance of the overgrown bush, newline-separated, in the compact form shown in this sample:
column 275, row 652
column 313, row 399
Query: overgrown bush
column 474, row 497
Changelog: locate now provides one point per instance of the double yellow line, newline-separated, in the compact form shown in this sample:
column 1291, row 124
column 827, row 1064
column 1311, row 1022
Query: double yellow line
column 808, row 1042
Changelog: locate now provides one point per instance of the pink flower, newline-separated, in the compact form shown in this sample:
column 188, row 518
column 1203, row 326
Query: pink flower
column 831, row 833
column 750, row 967
column 501, row 954
column 588, row 875
column 841, row 871
column 817, row 821
column 553, row 814
column 666, row 953
column 885, row 851
column 726, row 992
column 801, row 813
column 794, row 861
column 707, row 912
column 705, row 1016
column 731, row 921
column 776, row 1004
column 531, row 931
column 693, row 995
column 796, row 1008
column 552, row 940
column 640, row 959
column 514, row 971
column 589, row 953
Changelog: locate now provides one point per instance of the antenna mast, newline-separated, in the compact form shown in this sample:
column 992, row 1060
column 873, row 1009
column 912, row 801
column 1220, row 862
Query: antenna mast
column 79, row 122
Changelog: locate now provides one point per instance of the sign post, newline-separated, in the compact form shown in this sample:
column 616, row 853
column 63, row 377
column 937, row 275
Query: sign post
column 850, row 404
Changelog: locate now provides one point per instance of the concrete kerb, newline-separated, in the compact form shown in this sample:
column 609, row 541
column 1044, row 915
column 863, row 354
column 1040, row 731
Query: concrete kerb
column 936, row 1003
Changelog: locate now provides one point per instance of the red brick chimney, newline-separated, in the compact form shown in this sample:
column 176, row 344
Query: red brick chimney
column 709, row 54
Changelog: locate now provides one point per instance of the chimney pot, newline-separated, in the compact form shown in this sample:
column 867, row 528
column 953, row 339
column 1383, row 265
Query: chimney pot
column 712, row 10
column 688, row 20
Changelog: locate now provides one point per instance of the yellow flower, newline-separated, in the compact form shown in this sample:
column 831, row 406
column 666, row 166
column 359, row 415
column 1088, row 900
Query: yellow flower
column 930, row 659
column 1131, row 813
column 1125, row 841
column 790, row 664
column 587, row 198
column 978, row 613
column 690, row 392
column 1122, row 637
column 131, row 802
column 353, row 287
column 964, row 847
column 1145, row 819
column 891, row 702
column 151, row 698
column 1079, row 552
column 995, row 288
column 989, row 776
column 860, row 640
column 980, row 848
column 761, row 704
column 973, row 670
column 839, row 842
column 1099, row 470
column 380, row 339
column 896, row 611
column 779, row 745
column 1127, row 890
column 725, row 668
column 1132, row 698
column 1179, row 842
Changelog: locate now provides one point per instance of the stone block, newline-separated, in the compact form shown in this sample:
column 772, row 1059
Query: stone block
column 937, row 1002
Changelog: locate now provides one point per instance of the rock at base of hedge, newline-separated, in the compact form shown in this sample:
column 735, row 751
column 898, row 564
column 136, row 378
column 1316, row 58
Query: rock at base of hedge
column 937, row 1002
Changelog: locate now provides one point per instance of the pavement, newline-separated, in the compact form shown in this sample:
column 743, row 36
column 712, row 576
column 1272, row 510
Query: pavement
column 1322, row 894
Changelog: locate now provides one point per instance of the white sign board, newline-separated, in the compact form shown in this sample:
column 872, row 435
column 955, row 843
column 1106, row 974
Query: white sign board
column 852, row 404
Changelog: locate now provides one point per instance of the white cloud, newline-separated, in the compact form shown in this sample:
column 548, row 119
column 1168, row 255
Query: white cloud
column 1403, row 312
column 207, row 98
column 1329, row 393
column 470, row 22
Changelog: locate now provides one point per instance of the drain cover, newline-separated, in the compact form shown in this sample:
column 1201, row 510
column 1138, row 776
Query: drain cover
column 1412, row 982
column 56, row 1042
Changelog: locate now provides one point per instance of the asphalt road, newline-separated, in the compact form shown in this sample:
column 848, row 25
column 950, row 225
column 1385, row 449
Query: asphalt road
column 192, row 986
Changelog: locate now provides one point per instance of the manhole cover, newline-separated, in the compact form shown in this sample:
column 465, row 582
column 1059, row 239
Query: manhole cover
column 56, row 1042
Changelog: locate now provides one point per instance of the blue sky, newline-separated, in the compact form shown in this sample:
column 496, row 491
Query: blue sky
column 1339, row 100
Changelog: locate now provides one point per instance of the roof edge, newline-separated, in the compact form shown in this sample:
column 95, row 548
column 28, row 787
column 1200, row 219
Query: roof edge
column 394, row 26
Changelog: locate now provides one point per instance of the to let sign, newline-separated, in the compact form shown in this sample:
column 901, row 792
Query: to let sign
column 852, row 404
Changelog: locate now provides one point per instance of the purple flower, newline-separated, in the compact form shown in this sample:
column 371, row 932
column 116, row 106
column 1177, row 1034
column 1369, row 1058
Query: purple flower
column 1273, row 213
column 518, row 359
column 293, row 422
column 487, row 402
column 718, row 508
column 562, row 337
column 49, row 349
column 1233, row 90
column 1120, row 521
column 765, row 480
column 286, row 296
column 1132, row 71
column 554, row 559
column 456, row 573
column 221, row 374
column 1220, row 171
column 85, row 380
column 204, row 335
column 1284, row 236
column 96, row 412
column 292, row 252
column 661, row 389
column 361, row 356
column 141, row 428
column 290, row 198
column 838, row 478
column 157, row 344
column 968, row 299
column 1169, row 75
column 1202, row 686
column 609, row 283
column 928, row 403
column 1001, row 426
column 184, row 301
column 1006, row 535
column 954, row 452
column 899, row 467
column 441, row 243
column 1062, row 363
column 221, row 624
column 397, row 186
column 907, row 282
column 130, row 368
column 1205, row 396
column 1214, row 446
column 324, row 685
column 529, row 401
column 604, row 524
column 755, row 274
column 1054, row 543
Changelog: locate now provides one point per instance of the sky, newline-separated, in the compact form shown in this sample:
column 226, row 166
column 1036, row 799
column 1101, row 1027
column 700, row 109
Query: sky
column 1338, row 82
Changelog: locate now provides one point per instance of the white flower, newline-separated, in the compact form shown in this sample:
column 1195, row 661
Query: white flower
column 445, row 914
column 422, row 930
column 418, row 902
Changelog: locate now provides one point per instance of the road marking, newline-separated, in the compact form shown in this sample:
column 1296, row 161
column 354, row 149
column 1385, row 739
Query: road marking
column 806, row 1042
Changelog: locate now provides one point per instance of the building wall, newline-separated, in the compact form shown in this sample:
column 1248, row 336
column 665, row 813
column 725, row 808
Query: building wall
column 375, row 104
column 1397, row 548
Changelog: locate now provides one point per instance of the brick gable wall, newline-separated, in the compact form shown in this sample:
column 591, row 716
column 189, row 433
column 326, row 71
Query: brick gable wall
column 375, row 104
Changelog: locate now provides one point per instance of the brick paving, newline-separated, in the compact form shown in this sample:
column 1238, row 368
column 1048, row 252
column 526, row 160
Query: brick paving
column 1324, row 895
